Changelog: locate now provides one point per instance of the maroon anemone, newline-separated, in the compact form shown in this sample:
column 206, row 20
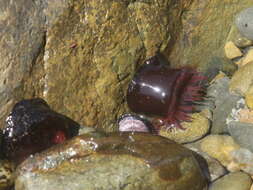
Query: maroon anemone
column 32, row 127
column 169, row 94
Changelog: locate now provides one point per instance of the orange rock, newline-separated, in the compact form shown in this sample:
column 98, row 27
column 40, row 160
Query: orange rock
column 246, row 115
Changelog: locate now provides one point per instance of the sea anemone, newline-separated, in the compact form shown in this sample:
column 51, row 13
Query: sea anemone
column 32, row 127
column 169, row 94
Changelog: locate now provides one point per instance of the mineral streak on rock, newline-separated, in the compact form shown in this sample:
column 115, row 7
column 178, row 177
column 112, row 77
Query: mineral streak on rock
column 133, row 160
column 32, row 127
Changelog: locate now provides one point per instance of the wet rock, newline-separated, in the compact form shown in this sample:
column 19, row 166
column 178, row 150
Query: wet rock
column 32, row 127
column 233, row 181
column 219, row 147
column 194, row 130
column 232, row 51
column 215, row 168
column 224, row 103
column 242, row 79
column 242, row 133
column 6, row 174
column 244, row 22
column 242, row 159
column 120, row 160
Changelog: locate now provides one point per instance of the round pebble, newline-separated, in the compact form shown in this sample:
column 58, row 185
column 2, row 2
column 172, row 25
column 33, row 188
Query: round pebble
column 233, row 181
column 219, row 147
column 244, row 22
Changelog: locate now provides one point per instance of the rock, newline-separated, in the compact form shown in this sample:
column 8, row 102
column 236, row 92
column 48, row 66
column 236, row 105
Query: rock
column 242, row 133
column 224, row 103
column 6, row 174
column 194, row 130
column 32, row 127
column 206, row 32
column 233, row 181
column 245, row 115
column 236, row 37
column 242, row 42
column 244, row 22
column 86, row 130
column 219, row 147
column 215, row 168
column 80, row 55
column 247, row 58
column 242, row 159
column 242, row 79
column 249, row 97
column 232, row 51
column 120, row 160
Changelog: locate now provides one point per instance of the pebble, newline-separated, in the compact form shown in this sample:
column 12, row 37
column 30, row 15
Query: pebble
column 247, row 58
column 242, row 133
column 232, row 51
column 242, row 80
column 236, row 37
column 245, row 115
column 233, row 181
column 249, row 97
column 219, row 147
column 243, row 42
column 224, row 103
column 216, row 170
column 242, row 159
column 244, row 22
column 194, row 130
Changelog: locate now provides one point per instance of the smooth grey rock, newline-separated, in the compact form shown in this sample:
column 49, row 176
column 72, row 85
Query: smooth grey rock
column 233, row 181
column 224, row 103
column 242, row 133
column 244, row 22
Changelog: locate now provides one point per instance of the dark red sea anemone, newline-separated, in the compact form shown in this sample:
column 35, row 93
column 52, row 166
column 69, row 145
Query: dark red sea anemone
column 32, row 127
column 169, row 94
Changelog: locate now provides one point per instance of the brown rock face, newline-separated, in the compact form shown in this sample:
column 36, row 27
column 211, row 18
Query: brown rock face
column 133, row 161
column 79, row 55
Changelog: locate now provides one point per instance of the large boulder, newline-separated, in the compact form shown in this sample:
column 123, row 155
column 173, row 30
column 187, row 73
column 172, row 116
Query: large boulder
column 114, row 161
